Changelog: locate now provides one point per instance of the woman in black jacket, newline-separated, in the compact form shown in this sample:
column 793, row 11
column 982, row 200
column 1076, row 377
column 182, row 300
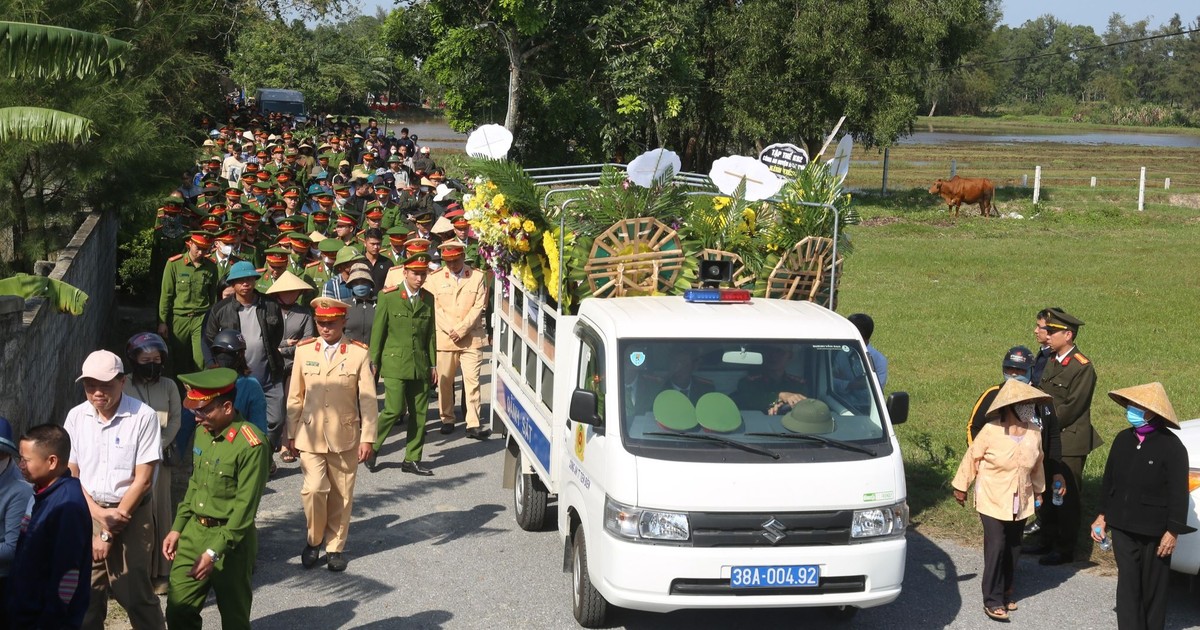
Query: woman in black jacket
column 1144, row 500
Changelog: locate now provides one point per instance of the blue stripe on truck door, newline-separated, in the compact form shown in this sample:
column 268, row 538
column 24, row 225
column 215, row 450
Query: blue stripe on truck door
column 527, row 430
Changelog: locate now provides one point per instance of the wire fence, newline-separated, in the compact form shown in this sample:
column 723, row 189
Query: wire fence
column 1158, row 183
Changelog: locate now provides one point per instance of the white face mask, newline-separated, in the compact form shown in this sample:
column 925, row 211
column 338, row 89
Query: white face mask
column 1024, row 411
column 225, row 248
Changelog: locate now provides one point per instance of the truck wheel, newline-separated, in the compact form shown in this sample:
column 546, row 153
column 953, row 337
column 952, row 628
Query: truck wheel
column 529, row 501
column 588, row 604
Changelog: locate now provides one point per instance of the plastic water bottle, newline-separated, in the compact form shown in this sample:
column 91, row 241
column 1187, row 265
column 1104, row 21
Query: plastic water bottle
column 1056, row 497
column 1105, row 541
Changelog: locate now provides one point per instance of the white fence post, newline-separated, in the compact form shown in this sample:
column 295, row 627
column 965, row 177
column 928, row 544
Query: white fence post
column 1142, row 190
column 953, row 168
column 886, row 160
column 1037, row 184
column 1024, row 180
column 1093, row 182
column 1167, row 184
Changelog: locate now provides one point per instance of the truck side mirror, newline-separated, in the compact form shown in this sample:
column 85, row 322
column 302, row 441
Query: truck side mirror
column 897, row 407
column 584, row 408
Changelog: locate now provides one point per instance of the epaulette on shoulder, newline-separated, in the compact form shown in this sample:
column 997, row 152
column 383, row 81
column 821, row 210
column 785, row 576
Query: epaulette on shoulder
column 248, row 433
column 306, row 341
column 702, row 380
column 175, row 257
column 360, row 344
column 1082, row 359
column 390, row 289
column 261, row 270
column 312, row 264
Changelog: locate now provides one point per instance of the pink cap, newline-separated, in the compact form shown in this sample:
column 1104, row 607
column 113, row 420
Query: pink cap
column 102, row 365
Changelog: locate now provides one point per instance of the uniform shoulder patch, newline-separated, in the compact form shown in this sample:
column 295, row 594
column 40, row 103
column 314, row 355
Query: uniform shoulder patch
column 306, row 342
column 360, row 344
column 251, row 437
column 390, row 289
column 175, row 257
column 1082, row 359
column 312, row 264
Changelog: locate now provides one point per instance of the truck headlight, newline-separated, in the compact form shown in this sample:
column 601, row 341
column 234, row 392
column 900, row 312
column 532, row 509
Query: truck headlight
column 881, row 521
column 640, row 524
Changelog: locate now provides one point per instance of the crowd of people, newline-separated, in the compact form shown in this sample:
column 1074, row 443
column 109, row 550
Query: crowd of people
column 1028, row 440
column 282, row 315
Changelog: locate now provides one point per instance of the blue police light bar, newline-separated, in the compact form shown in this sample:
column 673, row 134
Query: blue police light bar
column 717, row 296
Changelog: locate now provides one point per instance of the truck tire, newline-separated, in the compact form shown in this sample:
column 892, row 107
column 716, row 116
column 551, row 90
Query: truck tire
column 529, row 500
column 588, row 604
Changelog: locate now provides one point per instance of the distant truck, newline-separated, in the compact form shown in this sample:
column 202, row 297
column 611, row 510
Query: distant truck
column 268, row 100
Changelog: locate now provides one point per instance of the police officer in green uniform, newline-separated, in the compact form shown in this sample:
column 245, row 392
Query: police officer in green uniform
column 397, row 236
column 319, row 271
column 1070, row 379
column 277, row 259
column 213, row 540
column 771, row 390
column 189, row 289
column 403, row 346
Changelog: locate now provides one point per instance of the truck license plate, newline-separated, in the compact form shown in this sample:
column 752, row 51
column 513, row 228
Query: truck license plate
column 804, row 575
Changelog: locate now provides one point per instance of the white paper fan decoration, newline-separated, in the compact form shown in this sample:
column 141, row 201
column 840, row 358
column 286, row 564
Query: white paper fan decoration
column 490, row 141
column 648, row 167
column 728, row 172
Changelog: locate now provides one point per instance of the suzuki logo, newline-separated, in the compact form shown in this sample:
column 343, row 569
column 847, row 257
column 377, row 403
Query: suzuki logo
column 774, row 531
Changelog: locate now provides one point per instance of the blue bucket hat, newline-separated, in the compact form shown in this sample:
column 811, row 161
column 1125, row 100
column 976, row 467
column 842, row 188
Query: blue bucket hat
column 7, row 445
column 242, row 269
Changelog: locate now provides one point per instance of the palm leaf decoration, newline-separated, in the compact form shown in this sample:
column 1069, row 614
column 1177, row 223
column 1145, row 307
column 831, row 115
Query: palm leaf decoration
column 52, row 52
column 35, row 124
column 521, row 193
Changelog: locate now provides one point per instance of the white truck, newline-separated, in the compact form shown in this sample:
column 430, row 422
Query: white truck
column 700, row 454
column 1186, row 558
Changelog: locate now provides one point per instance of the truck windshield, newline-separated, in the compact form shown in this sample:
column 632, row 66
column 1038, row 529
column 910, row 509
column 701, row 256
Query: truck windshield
column 803, row 400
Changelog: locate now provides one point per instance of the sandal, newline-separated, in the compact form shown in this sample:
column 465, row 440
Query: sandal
column 998, row 613
column 1011, row 605
column 287, row 457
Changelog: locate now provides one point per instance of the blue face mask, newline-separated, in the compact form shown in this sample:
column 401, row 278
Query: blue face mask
column 1024, row 378
column 361, row 290
column 1135, row 417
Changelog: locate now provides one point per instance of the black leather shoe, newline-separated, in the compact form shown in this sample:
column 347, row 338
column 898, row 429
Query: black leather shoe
column 415, row 468
column 478, row 433
column 447, row 429
column 308, row 557
column 1055, row 558
column 1033, row 528
column 337, row 562
column 372, row 464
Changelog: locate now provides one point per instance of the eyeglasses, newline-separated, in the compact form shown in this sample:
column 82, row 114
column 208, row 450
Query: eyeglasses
column 207, row 410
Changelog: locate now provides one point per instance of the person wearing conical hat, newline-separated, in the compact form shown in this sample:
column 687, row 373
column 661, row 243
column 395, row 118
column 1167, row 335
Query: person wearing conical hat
column 1144, row 502
column 403, row 345
column 189, row 289
column 1004, row 463
column 1070, row 379
column 289, row 290
column 213, row 540
column 331, row 421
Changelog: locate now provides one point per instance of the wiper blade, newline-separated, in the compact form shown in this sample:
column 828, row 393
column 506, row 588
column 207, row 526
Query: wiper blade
column 719, row 440
column 817, row 438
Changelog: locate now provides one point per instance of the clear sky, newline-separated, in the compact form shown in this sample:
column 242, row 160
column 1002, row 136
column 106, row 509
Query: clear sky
column 1095, row 13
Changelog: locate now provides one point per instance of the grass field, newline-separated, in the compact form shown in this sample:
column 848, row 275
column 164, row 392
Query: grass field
column 950, row 297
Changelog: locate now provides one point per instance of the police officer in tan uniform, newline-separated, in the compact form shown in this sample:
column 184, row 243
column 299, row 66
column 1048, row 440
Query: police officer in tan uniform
column 459, row 298
column 331, row 416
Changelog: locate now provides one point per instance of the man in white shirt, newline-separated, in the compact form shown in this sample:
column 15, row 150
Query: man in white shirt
column 115, row 450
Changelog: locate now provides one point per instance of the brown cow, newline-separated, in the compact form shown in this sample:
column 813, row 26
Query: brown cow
column 970, row 190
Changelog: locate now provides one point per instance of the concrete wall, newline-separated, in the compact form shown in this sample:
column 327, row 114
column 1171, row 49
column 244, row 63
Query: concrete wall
column 41, row 349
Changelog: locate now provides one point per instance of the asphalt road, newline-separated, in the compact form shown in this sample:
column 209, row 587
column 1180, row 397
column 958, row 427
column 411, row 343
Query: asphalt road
column 445, row 552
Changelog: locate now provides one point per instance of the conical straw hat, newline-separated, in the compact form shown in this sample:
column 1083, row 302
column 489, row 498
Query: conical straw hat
column 1150, row 396
column 288, row 281
column 1015, row 392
